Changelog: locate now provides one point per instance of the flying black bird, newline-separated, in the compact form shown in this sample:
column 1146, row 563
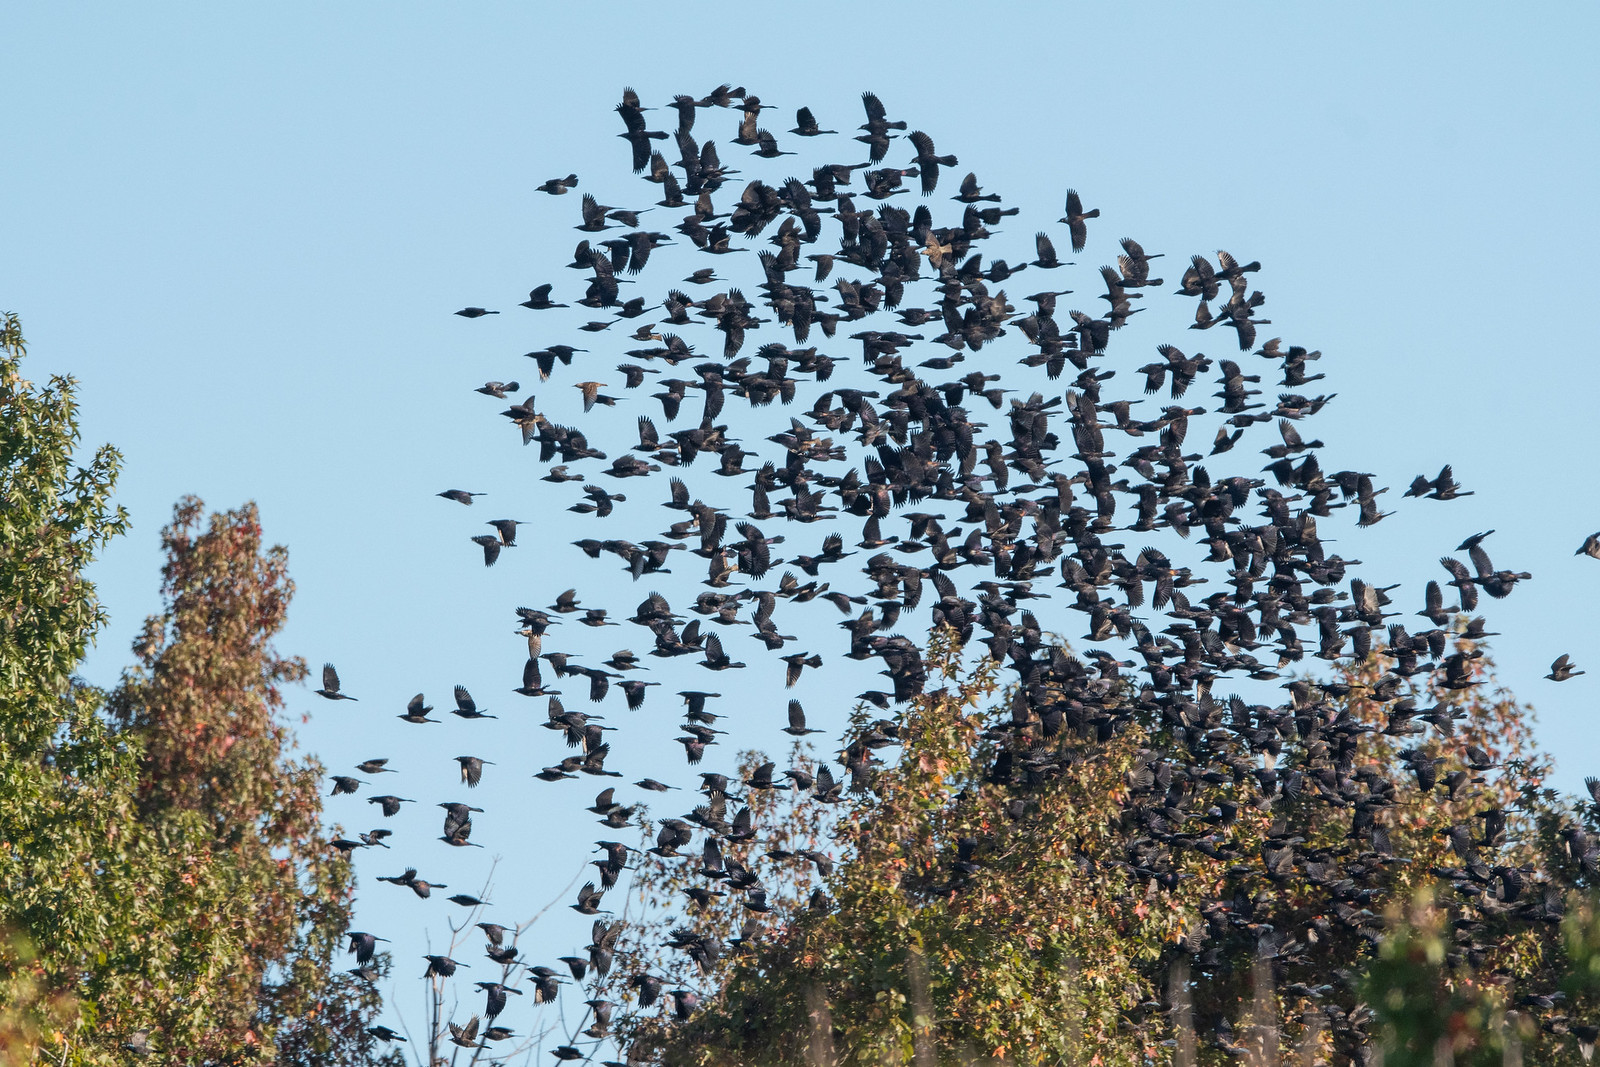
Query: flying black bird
column 1562, row 669
column 806, row 124
column 1074, row 219
column 330, row 685
column 877, row 126
column 557, row 186
column 409, row 879
column 1038, row 505
column 507, row 529
column 466, row 707
column 539, row 298
column 417, row 711
column 472, row 769
column 491, row 548
column 588, row 900
column 496, row 997
column 362, row 944
column 927, row 161
column 441, row 966
column 1442, row 487
column 797, row 721
column 389, row 805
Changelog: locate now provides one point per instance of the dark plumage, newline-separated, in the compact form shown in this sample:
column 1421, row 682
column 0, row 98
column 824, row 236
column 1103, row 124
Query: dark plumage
column 1087, row 521
column 330, row 685
column 1074, row 218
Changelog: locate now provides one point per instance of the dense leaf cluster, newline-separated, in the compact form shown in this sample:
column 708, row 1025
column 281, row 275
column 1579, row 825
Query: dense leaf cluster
column 1036, row 917
column 164, row 888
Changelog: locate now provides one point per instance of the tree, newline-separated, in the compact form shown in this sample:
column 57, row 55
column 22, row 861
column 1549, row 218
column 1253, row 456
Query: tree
column 62, row 771
column 1082, row 897
column 259, row 921
column 163, row 878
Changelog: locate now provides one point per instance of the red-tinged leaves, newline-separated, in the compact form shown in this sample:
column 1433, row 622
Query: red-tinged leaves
column 163, row 863
column 1054, row 947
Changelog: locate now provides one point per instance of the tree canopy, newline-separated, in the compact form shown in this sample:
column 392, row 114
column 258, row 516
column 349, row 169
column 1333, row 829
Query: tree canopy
column 1114, row 899
column 166, row 888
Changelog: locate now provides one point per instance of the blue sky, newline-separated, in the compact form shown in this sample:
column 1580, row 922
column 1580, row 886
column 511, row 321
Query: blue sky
column 244, row 232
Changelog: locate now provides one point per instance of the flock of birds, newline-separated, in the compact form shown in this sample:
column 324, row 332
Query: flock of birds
column 957, row 496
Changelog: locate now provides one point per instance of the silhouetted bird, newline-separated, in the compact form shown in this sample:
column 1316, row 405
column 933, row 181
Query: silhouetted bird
column 1074, row 218
column 1562, row 669
column 1077, row 507
column 557, row 186
column 330, row 684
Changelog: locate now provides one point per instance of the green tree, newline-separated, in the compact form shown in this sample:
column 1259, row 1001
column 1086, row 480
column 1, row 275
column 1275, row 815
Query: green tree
column 63, row 773
column 163, row 878
column 1146, row 896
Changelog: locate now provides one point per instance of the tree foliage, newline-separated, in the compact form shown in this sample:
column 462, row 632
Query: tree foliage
column 63, row 774
column 1148, row 895
column 263, row 900
column 165, row 885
